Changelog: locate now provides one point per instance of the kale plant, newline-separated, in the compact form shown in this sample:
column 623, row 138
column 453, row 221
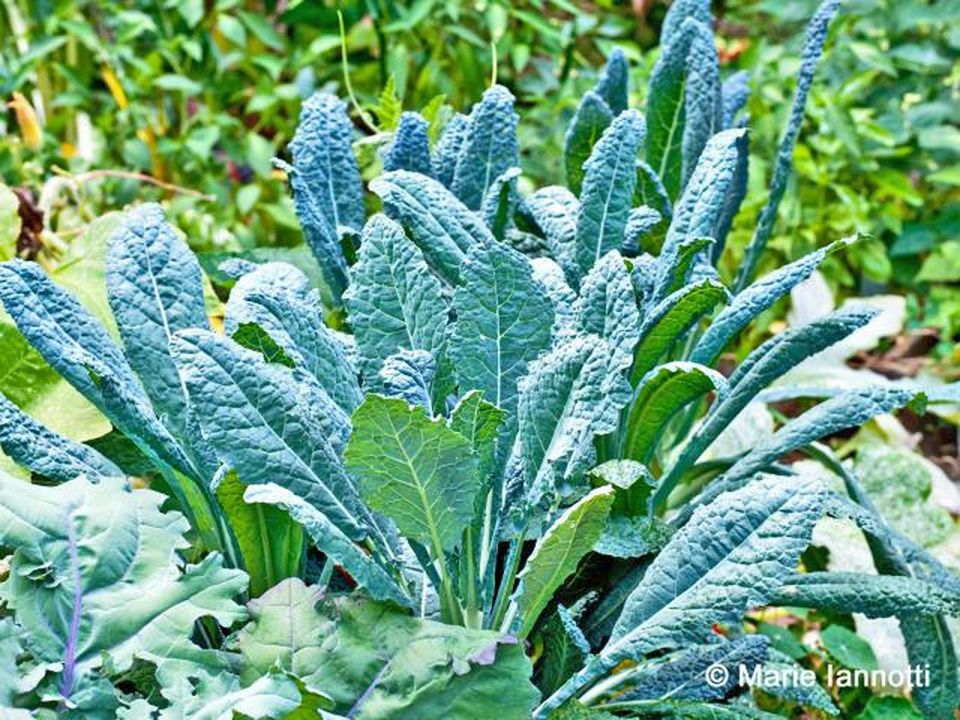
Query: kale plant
column 484, row 434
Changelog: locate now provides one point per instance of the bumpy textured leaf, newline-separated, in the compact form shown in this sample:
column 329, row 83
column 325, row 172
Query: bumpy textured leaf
column 683, row 106
column 642, row 223
column 408, row 374
column 753, row 300
column 565, row 649
column 681, row 676
column 553, row 210
column 556, row 556
column 572, row 394
column 734, row 92
column 676, row 265
column 500, row 203
column 593, row 116
column 635, row 536
column 503, row 324
column 660, row 394
column 670, row 319
column 607, row 307
column 47, row 453
column 327, row 190
column 852, row 409
column 278, row 298
column 441, row 226
column 551, row 277
column 414, row 470
column 410, row 149
column 378, row 664
column 271, row 544
column 394, row 302
column 331, row 541
column 733, row 555
column 608, row 183
column 614, row 82
column 813, row 42
column 263, row 422
column 679, row 11
column 489, row 148
column 447, row 150
column 78, row 348
column 95, row 574
column 871, row 595
column 771, row 360
column 479, row 422
column 698, row 212
column 155, row 289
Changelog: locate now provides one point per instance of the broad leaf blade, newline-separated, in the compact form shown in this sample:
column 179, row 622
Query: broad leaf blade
column 503, row 323
column 263, row 423
column 410, row 148
column 608, row 185
column 557, row 555
column 413, row 469
column 395, row 303
column 155, row 288
column 489, row 148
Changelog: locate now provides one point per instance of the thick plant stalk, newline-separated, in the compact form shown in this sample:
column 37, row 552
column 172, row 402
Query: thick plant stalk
column 812, row 48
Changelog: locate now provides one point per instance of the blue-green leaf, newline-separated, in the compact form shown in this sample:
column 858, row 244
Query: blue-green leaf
column 759, row 296
column 47, row 453
column 683, row 106
column 441, row 226
column 593, row 116
column 277, row 298
column 500, row 203
column 733, row 555
column 698, row 213
column 155, row 288
column 553, row 210
column 408, row 374
column 503, row 323
column 447, row 150
column 607, row 307
column 614, row 83
column 734, row 92
column 327, row 189
column 263, row 422
column 608, row 189
column 394, row 302
column 489, row 148
column 410, row 148
column 572, row 394
column 813, row 42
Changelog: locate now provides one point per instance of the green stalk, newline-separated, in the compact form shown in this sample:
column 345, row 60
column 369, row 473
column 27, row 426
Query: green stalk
column 506, row 582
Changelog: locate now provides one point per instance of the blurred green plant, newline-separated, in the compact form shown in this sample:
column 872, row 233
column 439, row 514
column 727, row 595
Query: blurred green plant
column 880, row 152
column 159, row 98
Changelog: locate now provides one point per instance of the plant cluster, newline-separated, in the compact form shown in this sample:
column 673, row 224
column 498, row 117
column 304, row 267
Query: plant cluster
column 464, row 475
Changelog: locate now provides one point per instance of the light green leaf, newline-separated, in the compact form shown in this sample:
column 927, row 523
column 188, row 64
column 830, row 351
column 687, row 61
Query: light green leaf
column 556, row 556
column 414, row 470
column 96, row 576
column 380, row 664
column 271, row 544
